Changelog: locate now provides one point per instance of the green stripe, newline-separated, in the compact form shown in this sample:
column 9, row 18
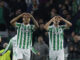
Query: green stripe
column 61, row 39
column 24, row 37
column 21, row 38
column 61, row 45
column 57, row 40
column 54, row 42
column 31, row 37
column 54, row 35
column 18, row 33
column 28, row 38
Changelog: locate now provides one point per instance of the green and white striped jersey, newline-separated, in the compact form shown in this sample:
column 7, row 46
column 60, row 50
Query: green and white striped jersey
column 56, row 37
column 24, row 35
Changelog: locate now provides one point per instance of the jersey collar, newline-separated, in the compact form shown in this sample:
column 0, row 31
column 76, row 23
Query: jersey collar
column 26, row 25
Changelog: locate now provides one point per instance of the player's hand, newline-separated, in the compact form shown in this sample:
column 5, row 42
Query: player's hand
column 60, row 18
column 53, row 19
column 28, row 14
column 23, row 14
column 0, row 54
column 57, row 19
column 38, row 53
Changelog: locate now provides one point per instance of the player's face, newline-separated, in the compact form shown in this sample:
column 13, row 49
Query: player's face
column 26, row 19
column 56, row 22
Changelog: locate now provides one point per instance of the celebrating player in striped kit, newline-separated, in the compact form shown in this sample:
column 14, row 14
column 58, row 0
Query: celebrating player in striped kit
column 24, row 35
column 56, row 50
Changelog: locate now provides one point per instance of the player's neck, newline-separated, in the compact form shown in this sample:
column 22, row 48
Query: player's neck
column 56, row 25
column 26, row 23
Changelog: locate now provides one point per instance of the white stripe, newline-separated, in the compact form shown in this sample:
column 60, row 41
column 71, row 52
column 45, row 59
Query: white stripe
column 49, row 40
column 29, row 41
column 19, row 35
column 59, row 38
column 30, row 38
column 26, row 39
column 56, row 39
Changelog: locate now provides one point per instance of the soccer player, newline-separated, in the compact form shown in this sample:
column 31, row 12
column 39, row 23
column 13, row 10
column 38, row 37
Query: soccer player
column 24, row 35
column 56, row 50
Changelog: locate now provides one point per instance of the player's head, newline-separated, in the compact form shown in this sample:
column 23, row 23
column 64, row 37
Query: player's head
column 40, row 39
column 26, row 19
column 56, row 21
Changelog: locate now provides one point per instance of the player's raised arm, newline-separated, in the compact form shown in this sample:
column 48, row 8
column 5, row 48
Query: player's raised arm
column 14, row 20
column 68, row 24
column 34, row 21
column 48, row 23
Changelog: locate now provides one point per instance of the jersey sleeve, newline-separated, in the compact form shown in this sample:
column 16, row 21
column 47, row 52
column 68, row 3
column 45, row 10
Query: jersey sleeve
column 8, row 47
column 18, row 24
column 49, row 29
column 34, row 50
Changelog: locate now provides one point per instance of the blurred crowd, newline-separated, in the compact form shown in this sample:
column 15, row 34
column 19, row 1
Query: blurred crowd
column 43, row 11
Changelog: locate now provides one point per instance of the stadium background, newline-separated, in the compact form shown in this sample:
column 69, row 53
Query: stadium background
column 43, row 11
